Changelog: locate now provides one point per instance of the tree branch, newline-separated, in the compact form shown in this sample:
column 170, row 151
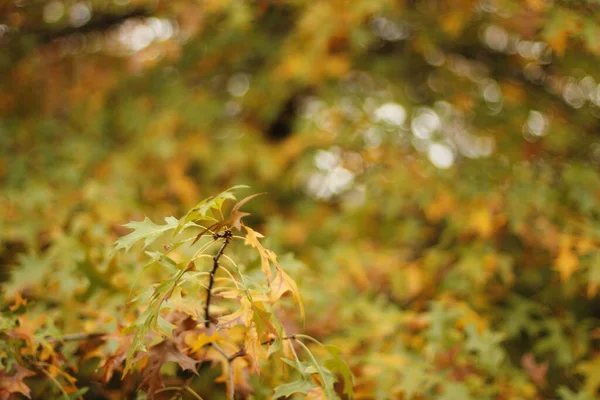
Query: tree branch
column 100, row 23
column 227, row 235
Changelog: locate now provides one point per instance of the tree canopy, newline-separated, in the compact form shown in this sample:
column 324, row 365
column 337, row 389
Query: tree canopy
column 432, row 199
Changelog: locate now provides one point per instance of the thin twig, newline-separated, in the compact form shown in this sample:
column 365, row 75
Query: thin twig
column 240, row 353
column 270, row 341
column 73, row 337
column 180, row 390
column 185, row 384
column 226, row 235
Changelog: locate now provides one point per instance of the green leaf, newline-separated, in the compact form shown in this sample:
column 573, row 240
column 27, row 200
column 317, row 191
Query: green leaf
column 486, row 345
column 555, row 340
column 287, row 389
column 567, row 394
column 150, row 320
column 455, row 391
column 328, row 379
column 591, row 35
column 415, row 380
column 147, row 230
column 165, row 327
column 337, row 364
column 302, row 366
column 200, row 211
column 594, row 269
column 79, row 393
column 7, row 322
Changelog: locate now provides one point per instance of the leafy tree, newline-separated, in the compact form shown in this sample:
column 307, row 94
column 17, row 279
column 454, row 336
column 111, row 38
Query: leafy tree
column 431, row 170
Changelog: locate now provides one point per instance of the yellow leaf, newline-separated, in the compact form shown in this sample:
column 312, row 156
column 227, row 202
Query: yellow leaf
column 414, row 280
column 254, row 349
column 336, row 65
column 442, row 205
column 291, row 67
column 591, row 371
column 197, row 343
column 480, row 221
column 252, row 240
column 242, row 316
column 391, row 360
column 284, row 283
column 584, row 245
column 470, row 317
column 567, row 261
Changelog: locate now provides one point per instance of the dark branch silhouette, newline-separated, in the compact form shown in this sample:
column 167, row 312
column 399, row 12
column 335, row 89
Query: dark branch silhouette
column 226, row 235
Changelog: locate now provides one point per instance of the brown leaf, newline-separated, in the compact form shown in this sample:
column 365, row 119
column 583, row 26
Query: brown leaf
column 159, row 355
column 235, row 216
column 536, row 372
column 115, row 360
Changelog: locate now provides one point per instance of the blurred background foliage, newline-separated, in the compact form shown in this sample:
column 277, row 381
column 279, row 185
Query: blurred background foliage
column 431, row 169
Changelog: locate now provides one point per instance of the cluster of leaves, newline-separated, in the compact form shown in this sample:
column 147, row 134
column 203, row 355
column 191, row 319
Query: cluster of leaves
column 432, row 165
column 197, row 313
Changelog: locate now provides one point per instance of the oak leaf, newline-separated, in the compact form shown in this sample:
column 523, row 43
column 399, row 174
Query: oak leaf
column 157, row 356
column 14, row 383
column 147, row 230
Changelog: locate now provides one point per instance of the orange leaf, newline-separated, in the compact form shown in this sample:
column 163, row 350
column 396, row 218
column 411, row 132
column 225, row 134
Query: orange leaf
column 14, row 383
column 235, row 216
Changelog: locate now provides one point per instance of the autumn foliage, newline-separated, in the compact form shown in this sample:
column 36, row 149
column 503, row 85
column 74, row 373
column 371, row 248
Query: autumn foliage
column 421, row 220
column 203, row 309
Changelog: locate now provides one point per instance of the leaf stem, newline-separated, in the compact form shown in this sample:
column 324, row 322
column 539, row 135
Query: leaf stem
column 327, row 389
